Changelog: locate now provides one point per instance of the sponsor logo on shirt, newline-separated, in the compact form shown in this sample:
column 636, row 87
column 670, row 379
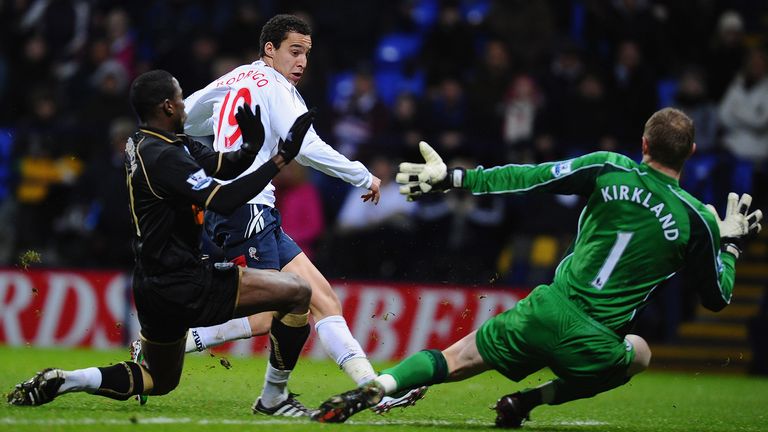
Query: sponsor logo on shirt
column 561, row 169
column 199, row 180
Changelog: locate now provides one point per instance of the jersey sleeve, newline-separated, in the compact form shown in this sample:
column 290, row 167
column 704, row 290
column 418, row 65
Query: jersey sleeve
column 200, row 108
column 712, row 272
column 176, row 174
column 568, row 177
column 315, row 152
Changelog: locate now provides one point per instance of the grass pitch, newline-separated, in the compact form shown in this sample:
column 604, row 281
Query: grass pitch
column 212, row 397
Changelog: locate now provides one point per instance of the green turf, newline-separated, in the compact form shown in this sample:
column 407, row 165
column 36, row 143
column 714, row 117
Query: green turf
column 212, row 397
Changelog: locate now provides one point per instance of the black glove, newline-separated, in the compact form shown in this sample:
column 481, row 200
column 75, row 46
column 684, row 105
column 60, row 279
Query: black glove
column 252, row 129
column 290, row 147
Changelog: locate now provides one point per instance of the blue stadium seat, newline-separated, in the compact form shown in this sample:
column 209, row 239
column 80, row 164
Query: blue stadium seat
column 424, row 13
column 474, row 11
column 665, row 91
column 6, row 165
column 340, row 86
column 396, row 48
column 390, row 83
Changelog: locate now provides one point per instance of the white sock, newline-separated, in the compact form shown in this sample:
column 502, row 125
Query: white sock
column 87, row 380
column 275, row 386
column 387, row 382
column 338, row 342
column 201, row 338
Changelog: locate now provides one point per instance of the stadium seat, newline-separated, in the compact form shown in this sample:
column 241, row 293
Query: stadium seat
column 424, row 13
column 665, row 91
column 6, row 164
column 395, row 48
column 390, row 83
column 474, row 11
column 340, row 86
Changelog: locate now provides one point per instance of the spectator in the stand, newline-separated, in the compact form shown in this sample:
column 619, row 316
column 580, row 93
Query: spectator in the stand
column 359, row 118
column 388, row 228
column 562, row 78
column 634, row 90
column 587, row 120
column 392, row 207
column 46, row 171
column 107, row 101
column 522, row 106
column 406, row 129
column 693, row 98
column 726, row 55
column 451, row 36
column 487, row 89
column 246, row 22
column 527, row 27
column 455, row 224
column 98, row 216
column 447, row 117
column 202, row 53
column 302, row 214
column 122, row 45
column 744, row 115
column 31, row 64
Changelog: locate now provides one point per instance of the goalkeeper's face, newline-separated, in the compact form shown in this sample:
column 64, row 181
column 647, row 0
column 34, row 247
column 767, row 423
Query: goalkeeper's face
column 290, row 59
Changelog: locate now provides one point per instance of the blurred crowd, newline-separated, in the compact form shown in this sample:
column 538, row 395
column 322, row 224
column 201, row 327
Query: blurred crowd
column 485, row 82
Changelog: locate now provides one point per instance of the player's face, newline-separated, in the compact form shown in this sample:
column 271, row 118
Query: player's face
column 291, row 58
column 178, row 107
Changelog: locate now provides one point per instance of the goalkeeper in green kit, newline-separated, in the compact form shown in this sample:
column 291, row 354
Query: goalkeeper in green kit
column 637, row 230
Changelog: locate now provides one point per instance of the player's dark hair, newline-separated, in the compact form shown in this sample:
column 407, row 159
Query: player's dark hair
column 277, row 28
column 149, row 90
column 670, row 137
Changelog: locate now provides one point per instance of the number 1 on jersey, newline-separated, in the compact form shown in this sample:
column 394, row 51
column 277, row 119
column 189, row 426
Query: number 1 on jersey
column 622, row 240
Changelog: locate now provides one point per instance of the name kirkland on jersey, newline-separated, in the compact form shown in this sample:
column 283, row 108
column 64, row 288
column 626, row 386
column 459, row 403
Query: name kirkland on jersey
column 642, row 197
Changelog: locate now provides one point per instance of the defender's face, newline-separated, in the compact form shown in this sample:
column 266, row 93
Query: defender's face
column 180, row 116
column 291, row 58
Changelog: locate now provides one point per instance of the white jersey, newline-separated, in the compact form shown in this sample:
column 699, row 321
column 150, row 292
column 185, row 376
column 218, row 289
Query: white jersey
column 211, row 111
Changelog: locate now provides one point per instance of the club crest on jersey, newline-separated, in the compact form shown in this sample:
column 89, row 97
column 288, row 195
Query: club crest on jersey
column 130, row 154
column 199, row 180
column 561, row 168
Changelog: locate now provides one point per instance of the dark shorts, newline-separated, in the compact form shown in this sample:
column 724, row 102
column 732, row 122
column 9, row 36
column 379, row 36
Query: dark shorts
column 252, row 237
column 171, row 303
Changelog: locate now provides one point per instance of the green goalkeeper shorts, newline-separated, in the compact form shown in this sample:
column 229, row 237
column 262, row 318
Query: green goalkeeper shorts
column 547, row 330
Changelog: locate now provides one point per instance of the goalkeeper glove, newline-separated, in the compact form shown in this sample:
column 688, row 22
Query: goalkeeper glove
column 737, row 224
column 429, row 177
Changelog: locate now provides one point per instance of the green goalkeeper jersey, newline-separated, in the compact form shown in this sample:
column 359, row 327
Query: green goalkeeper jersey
column 637, row 230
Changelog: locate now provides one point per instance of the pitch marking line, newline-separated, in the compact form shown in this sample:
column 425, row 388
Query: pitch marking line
column 185, row 420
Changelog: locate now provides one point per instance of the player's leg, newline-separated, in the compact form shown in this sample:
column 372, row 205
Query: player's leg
column 119, row 381
column 288, row 295
column 332, row 329
column 458, row 362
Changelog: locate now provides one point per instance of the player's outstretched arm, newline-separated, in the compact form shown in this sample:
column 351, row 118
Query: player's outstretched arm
column 432, row 176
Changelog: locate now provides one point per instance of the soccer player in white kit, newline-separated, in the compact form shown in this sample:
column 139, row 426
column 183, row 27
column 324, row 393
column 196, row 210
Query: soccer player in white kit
column 253, row 236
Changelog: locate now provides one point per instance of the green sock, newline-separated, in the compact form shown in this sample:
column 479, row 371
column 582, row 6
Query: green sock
column 424, row 368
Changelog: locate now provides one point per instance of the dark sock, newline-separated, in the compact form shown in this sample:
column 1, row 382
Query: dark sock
column 121, row 381
column 286, row 343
